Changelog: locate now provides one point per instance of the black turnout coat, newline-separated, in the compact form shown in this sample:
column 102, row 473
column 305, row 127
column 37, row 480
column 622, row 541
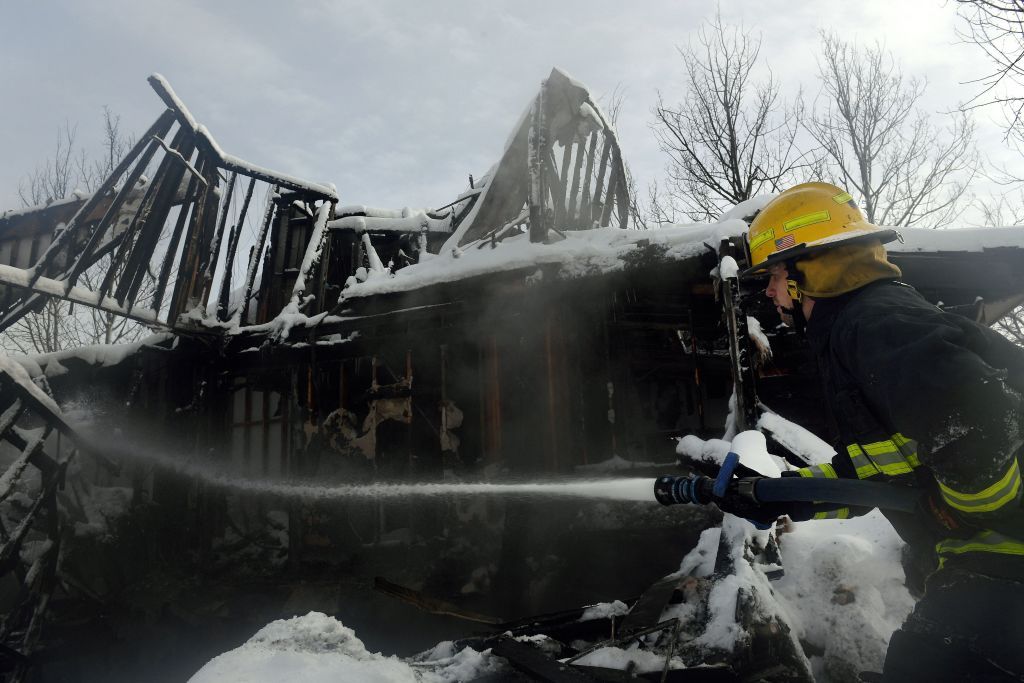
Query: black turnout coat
column 926, row 398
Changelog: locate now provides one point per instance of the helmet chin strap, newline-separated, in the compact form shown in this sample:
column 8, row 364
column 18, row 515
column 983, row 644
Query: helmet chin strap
column 793, row 288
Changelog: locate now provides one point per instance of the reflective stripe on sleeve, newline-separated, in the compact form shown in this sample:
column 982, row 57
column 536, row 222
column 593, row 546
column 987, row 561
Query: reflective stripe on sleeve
column 865, row 468
column 891, row 457
column 985, row 542
column 988, row 499
column 825, row 471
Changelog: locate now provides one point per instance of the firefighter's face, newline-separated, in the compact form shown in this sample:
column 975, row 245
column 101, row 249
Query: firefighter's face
column 778, row 291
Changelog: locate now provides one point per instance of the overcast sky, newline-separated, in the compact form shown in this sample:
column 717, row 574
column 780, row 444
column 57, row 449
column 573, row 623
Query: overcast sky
column 396, row 102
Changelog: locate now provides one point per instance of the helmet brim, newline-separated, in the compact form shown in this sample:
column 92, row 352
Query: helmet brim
column 804, row 249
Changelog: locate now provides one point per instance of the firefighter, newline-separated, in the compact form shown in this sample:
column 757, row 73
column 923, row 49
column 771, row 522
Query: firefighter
column 919, row 397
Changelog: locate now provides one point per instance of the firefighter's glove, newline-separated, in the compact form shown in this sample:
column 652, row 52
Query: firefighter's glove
column 738, row 499
column 736, row 496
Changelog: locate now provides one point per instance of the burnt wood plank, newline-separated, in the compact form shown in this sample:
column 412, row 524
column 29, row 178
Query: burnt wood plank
column 534, row 663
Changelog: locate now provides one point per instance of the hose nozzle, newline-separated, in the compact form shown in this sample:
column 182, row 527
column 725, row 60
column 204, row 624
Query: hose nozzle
column 672, row 490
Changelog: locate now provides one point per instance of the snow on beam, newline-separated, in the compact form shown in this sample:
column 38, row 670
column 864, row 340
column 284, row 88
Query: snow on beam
column 229, row 161
column 44, row 286
column 314, row 251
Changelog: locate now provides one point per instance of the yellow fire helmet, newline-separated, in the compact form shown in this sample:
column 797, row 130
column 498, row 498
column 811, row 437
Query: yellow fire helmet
column 806, row 219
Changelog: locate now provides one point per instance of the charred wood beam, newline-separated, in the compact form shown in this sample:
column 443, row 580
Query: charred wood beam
column 572, row 202
column 556, row 188
column 218, row 237
column 149, row 233
column 538, row 152
column 533, row 662
column 431, row 605
column 30, row 402
column 613, row 183
column 313, row 255
column 583, row 214
column 602, row 170
column 622, row 196
column 158, row 129
column 172, row 246
column 14, row 471
column 199, row 235
column 126, row 247
column 254, row 257
column 236, row 231
column 11, row 415
column 9, row 551
column 563, row 181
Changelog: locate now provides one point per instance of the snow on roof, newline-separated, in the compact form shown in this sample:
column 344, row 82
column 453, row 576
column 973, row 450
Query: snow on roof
column 100, row 355
column 581, row 253
column 957, row 239
column 76, row 196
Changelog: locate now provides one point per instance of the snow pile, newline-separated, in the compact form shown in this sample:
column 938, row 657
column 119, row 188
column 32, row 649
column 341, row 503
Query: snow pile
column 316, row 648
column 844, row 591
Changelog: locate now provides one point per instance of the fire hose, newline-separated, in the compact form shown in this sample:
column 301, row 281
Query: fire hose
column 702, row 490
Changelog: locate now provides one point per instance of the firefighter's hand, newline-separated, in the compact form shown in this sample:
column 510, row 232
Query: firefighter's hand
column 735, row 501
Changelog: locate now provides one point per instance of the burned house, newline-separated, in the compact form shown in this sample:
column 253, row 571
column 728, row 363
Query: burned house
column 524, row 329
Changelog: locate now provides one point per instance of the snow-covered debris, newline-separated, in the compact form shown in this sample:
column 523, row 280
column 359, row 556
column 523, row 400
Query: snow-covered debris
column 728, row 268
column 316, row 648
column 605, row 610
column 755, row 455
column 757, row 335
column 696, row 448
column 16, row 372
column 796, row 439
column 368, row 219
column 719, row 607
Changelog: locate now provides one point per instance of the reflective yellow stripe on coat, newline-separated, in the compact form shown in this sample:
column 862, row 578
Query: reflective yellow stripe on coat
column 984, row 542
column 990, row 498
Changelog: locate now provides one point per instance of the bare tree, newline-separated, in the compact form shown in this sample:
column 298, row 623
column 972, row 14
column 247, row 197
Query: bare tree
column 878, row 142
column 60, row 325
column 997, row 27
column 731, row 137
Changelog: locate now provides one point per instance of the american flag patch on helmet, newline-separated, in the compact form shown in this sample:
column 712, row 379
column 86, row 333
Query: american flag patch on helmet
column 785, row 243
